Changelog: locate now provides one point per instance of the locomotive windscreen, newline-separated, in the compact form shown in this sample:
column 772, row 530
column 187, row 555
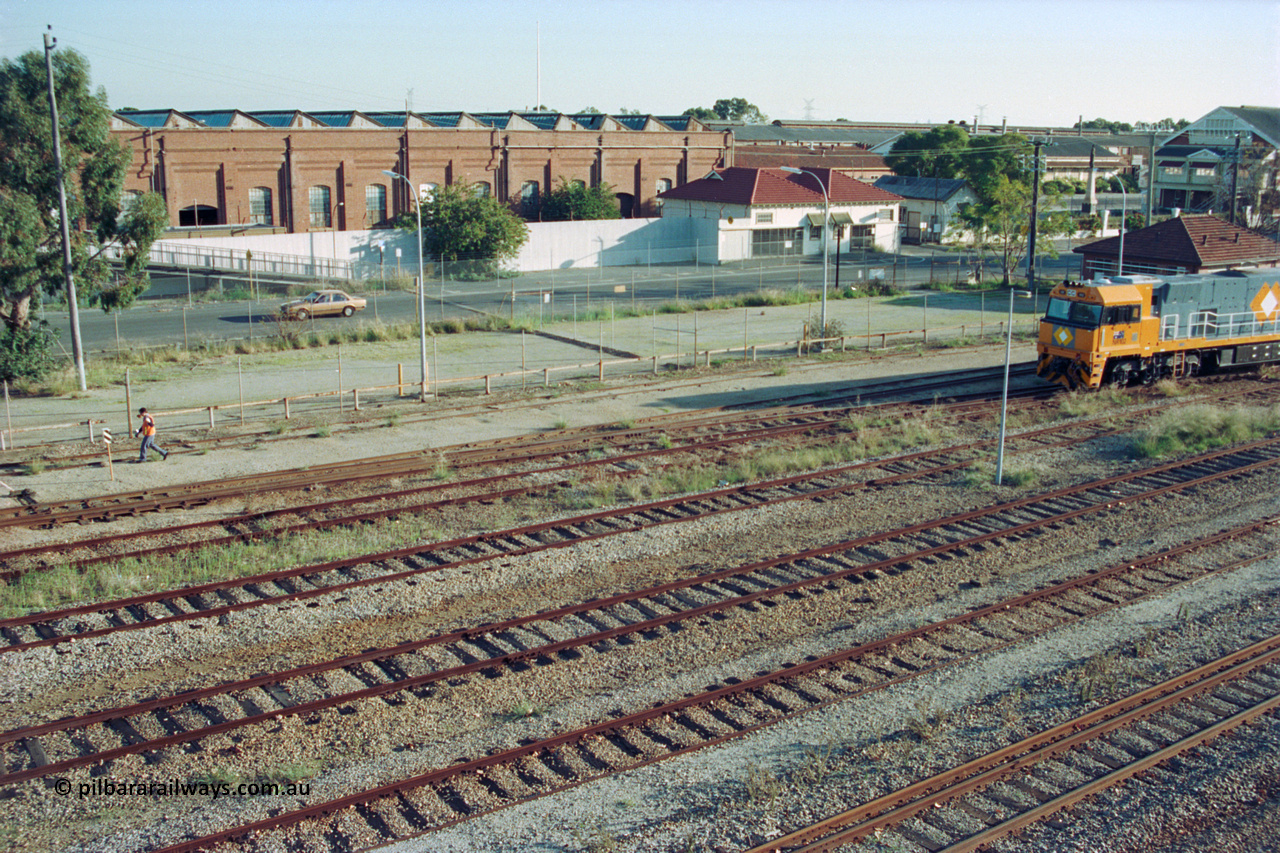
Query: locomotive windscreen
column 1075, row 313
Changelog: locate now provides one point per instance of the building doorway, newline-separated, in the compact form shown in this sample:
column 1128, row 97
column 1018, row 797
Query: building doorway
column 197, row 215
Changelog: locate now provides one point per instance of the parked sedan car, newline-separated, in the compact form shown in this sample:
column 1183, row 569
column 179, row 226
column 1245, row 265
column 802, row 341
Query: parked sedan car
column 320, row 303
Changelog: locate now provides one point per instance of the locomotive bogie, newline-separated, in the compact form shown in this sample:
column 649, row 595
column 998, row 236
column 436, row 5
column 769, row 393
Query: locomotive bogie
column 1139, row 329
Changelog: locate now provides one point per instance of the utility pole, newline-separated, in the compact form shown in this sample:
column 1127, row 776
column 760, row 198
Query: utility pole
column 1235, row 177
column 77, row 351
column 1151, row 180
column 1035, row 203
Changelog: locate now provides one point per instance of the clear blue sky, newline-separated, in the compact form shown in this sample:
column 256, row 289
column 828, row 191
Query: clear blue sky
column 1032, row 62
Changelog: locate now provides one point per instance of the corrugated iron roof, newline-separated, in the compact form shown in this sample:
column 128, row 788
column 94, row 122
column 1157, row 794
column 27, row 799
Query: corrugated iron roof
column 927, row 189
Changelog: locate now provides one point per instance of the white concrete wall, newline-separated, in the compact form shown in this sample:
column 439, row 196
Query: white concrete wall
column 551, row 245
column 611, row 243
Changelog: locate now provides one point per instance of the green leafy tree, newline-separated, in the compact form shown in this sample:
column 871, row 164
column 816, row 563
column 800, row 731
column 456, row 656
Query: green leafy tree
column 94, row 166
column 702, row 113
column 1001, row 220
column 992, row 158
column 461, row 225
column 1104, row 124
column 928, row 154
column 729, row 109
column 578, row 201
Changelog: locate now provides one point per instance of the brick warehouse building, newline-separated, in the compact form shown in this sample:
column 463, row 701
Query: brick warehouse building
column 293, row 171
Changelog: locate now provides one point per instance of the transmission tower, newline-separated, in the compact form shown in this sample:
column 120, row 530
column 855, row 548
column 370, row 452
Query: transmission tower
column 808, row 109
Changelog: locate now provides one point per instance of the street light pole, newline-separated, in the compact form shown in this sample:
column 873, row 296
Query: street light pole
column 1004, row 397
column 826, row 219
column 1124, row 211
column 77, row 349
column 422, row 283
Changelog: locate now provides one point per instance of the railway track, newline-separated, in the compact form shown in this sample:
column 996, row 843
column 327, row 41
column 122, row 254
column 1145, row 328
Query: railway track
column 866, row 391
column 302, row 583
column 959, row 810
column 488, row 648
column 452, row 794
column 645, row 441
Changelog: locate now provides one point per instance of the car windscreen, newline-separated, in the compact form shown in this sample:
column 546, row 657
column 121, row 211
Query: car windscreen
column 1075, row 313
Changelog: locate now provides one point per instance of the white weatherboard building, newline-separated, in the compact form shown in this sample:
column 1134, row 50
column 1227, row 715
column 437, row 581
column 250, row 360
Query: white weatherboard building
column 771, row 212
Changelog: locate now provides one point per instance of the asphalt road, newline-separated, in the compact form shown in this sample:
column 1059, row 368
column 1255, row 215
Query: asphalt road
column 556, row 294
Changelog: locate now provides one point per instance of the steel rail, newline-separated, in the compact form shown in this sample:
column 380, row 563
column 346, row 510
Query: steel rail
column 375, row 468
column 635, row 721
column 62, row 548
column 499, row 662
column 197, row 494
column 739, row 492
column 748, row 496
column 765, row 592
column 901, row 805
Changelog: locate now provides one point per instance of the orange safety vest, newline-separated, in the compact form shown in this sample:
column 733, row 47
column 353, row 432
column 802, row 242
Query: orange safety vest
column 148, row 425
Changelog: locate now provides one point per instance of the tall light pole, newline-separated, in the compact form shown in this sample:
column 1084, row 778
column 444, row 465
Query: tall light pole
column 77, row 350
column 1124, row 211
column 1004, row 397
column 422, row 282
column 826, row 219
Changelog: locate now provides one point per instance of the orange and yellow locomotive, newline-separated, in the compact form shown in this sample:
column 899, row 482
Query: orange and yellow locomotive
column 1140, row 328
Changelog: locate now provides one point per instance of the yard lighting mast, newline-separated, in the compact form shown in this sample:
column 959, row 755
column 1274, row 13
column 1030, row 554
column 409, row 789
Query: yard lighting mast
column 1124, row 213
column 1004, row 397
column 826, row 218
column 77, row 349
column 422, row 282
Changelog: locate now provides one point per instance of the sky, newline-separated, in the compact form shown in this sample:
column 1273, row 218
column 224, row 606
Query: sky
column 1030, row 62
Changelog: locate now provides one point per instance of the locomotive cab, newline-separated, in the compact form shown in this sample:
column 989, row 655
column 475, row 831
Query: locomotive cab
column 1093, row 331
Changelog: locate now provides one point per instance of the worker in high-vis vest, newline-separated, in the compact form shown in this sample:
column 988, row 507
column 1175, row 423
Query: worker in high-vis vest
column 148, row 433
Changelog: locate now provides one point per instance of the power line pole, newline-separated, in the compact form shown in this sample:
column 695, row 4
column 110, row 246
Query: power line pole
column 1035, row 203
column 1151, row 181
column 1235, row 178
column 77, row 351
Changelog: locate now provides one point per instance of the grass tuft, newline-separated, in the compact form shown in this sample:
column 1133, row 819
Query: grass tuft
column 1196, row 429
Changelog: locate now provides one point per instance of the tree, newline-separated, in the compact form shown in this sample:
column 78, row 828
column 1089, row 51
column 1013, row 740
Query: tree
column 729, row 109
column 991, row 158
column 578, row 201
column 461, row 225
column 933, row 153
column 1002, row 221
column 94, row 165
column 1104, row 124
column 701, row 113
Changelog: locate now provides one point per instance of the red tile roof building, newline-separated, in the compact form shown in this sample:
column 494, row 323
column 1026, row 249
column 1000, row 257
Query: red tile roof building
column 748, row 212
column 1184, row 244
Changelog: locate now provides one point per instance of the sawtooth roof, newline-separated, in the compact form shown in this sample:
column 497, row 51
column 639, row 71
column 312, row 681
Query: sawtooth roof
column 747, row 186
column 1191, row 241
